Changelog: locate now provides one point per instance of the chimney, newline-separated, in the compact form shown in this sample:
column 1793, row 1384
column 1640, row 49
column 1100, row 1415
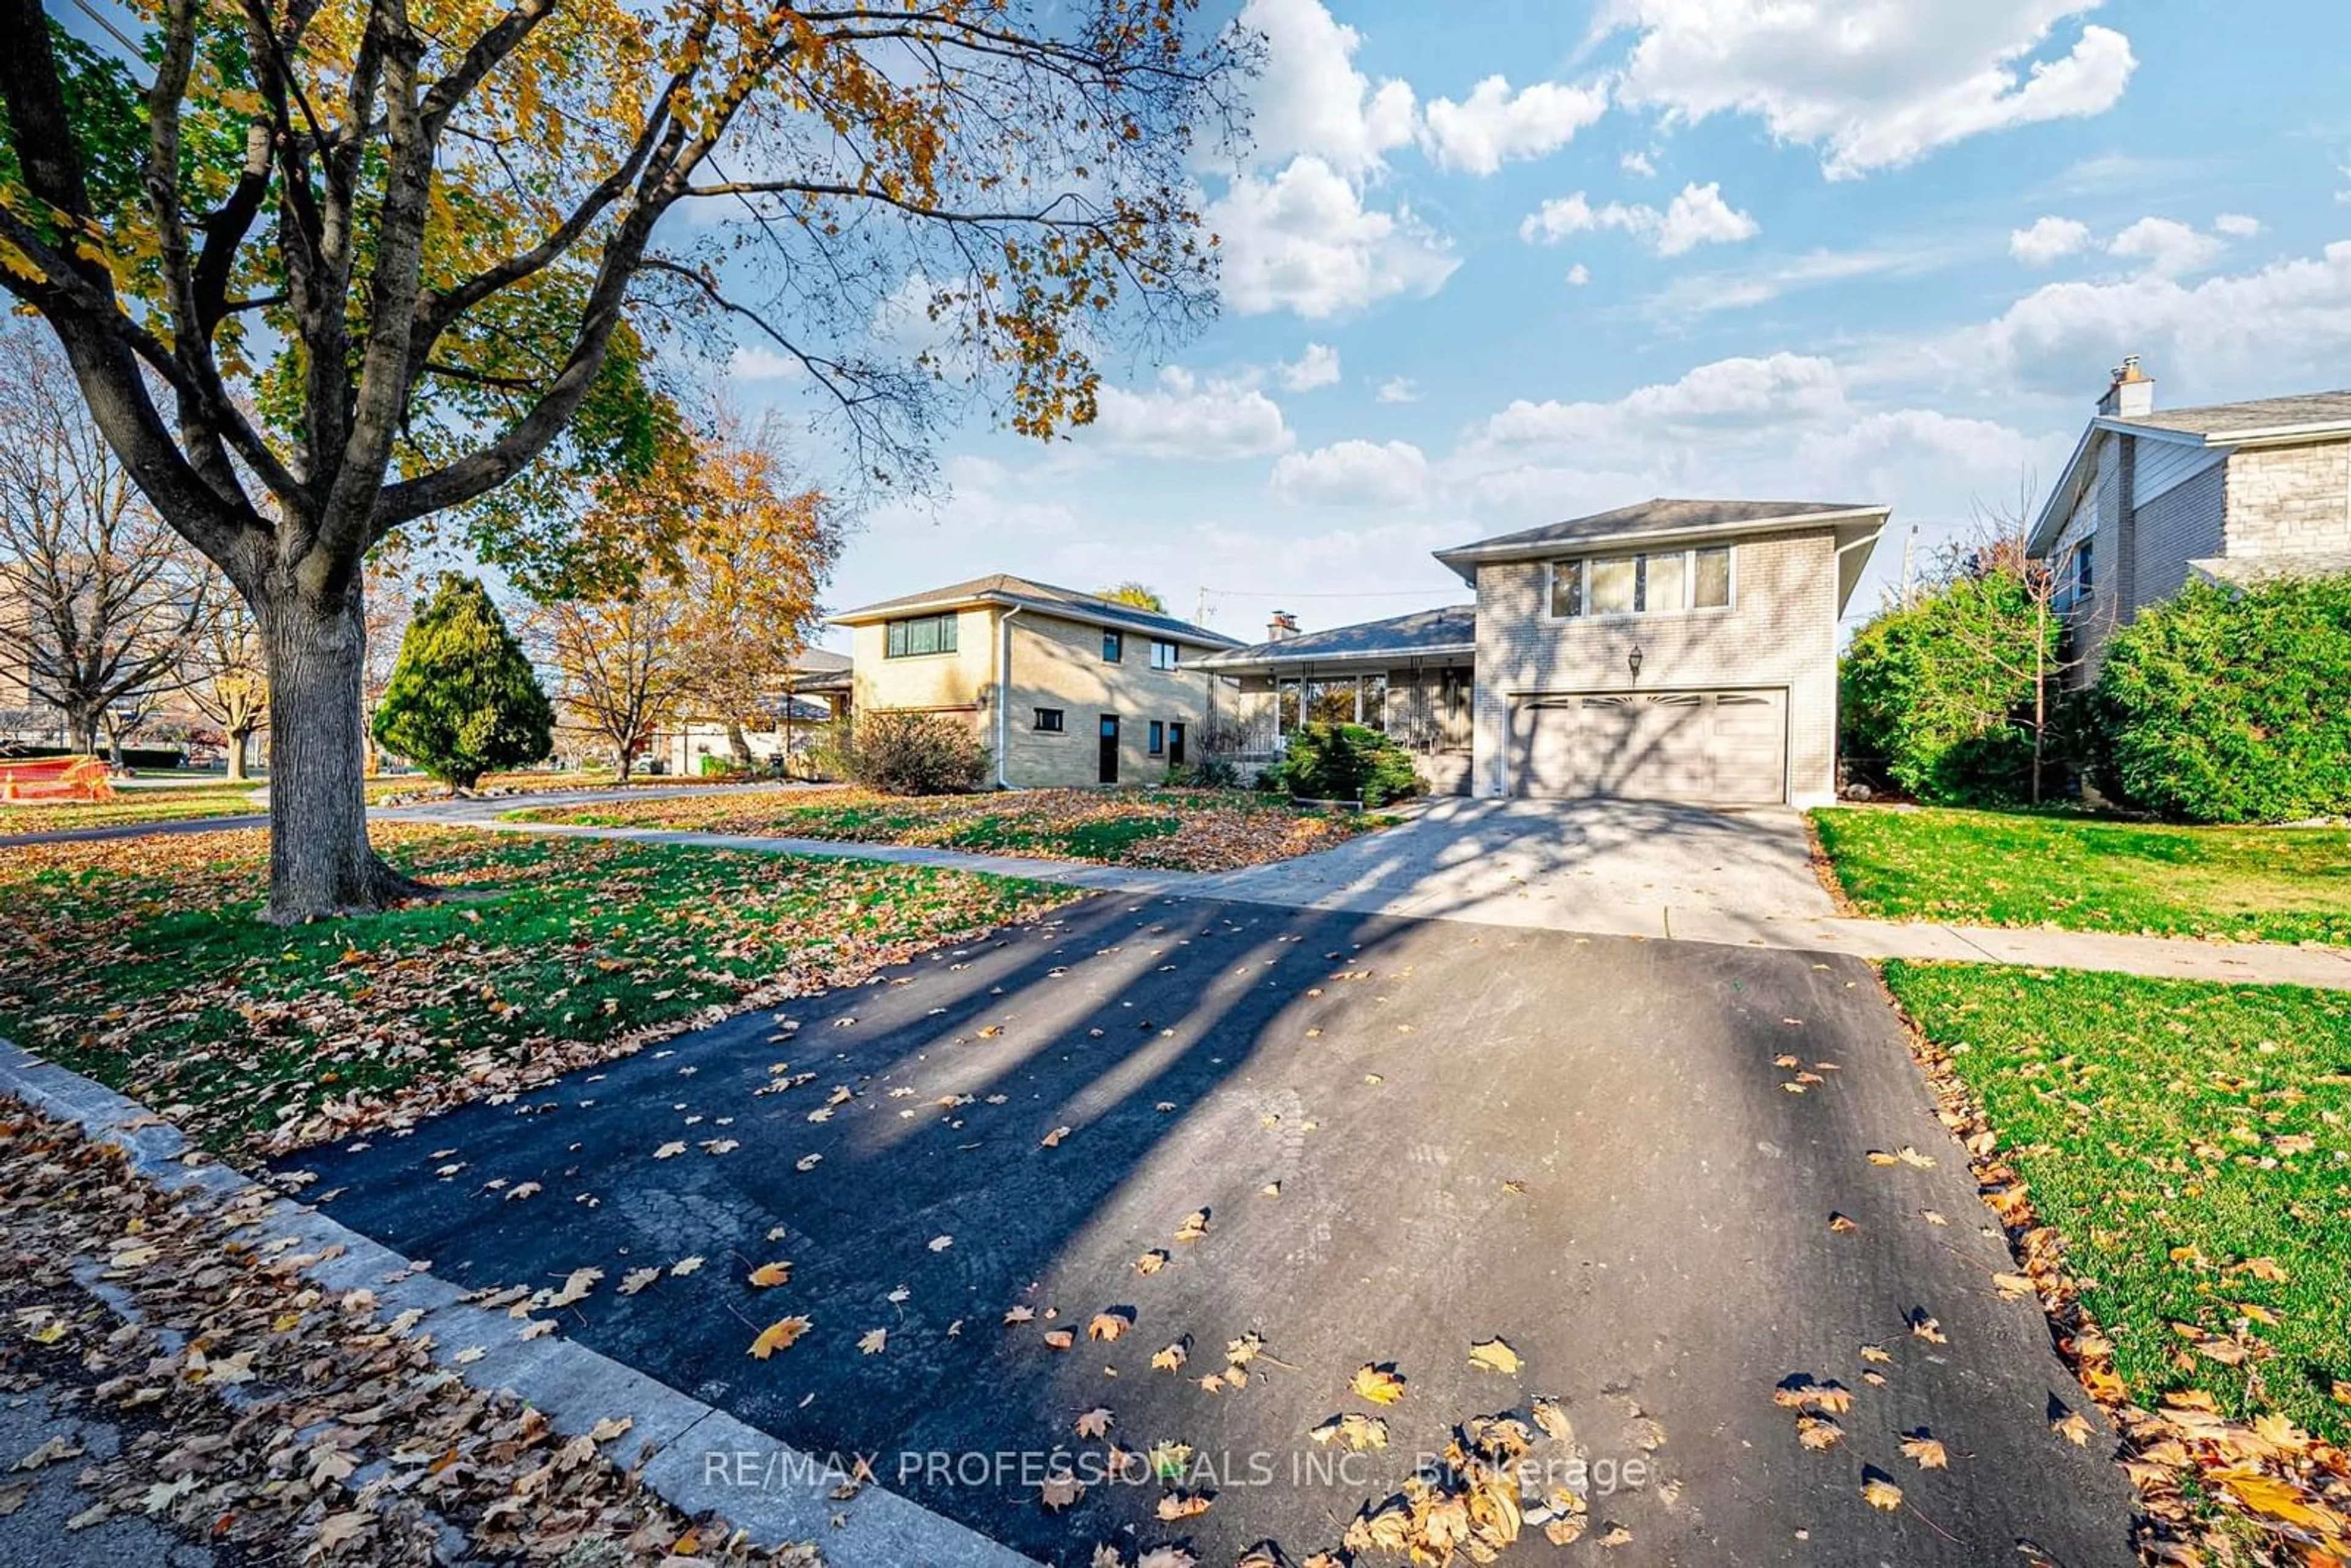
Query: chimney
column 1284, row 624
column 2132, row 395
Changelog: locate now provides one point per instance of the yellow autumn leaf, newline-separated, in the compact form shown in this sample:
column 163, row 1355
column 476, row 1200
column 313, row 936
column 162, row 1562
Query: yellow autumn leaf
column 768, row 1275
column 1495, row 1356
column 1381, row 1385
column 781, row 1335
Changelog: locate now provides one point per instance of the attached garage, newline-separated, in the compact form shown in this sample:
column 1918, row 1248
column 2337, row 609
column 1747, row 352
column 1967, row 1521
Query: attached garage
column 1721, row 747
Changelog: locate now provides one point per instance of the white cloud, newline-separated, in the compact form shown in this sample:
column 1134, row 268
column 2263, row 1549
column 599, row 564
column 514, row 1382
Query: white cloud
column 757, row 362
column 1399, row 388
column 1186, row 417
column 1578, row 276
column 1303, row 241
column 2236, row 225
column 2049, row 240
column 1354, row 473
column 1876, row 87
column 1700, row 294
column 1318, row 366
column 1637, row 164
column 2284, row 326
column 1698, row 216
column 1312, row 100
column 1495, row 124
column 2167, row 247
column 1773, row 390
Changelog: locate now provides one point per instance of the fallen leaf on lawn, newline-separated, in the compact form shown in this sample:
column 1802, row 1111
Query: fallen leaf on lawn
column 1881, row 1493
column 1379, row 1384
column 2279, row 1500
column 1093, row 1423
column 768, row 1275
column 1495, row 1356
column 1925, row 1448
column 873, row 1340
column 1109, row 1325
column 781, row 1335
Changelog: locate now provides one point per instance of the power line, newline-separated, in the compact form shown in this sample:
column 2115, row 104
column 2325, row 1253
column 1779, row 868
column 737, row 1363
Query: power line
column 1370, row 593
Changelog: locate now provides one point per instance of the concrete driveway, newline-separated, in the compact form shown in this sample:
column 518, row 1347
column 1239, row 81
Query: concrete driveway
column 1401, row 1137
column 1634, row 868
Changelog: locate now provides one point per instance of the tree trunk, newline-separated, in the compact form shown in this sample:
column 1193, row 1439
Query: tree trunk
column 320, row 861
column 738, row 746
column 81, row 731
column 238, row 740
column 627, row 753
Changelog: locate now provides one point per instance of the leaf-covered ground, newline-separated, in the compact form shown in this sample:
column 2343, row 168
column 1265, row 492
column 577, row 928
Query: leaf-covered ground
column 2082, row 873
column 140, row 963
column 2189, row 1146
column 344, row 1444
column 177, row 803
column 1174, row 829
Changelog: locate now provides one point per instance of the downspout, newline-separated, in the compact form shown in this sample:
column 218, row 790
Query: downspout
column 1004, row 692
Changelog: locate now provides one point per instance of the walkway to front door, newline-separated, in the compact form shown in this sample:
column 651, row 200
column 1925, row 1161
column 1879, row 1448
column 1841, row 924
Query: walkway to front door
column 1109, row 773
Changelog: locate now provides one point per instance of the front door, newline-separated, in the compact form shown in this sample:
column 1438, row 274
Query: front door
column 1174, row 746
column 1109, row 773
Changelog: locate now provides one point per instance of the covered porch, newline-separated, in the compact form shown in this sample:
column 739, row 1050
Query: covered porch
column 1412, row 676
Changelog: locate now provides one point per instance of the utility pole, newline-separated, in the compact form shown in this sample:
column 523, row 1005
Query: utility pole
column 1909, row 542
column 1200, row 607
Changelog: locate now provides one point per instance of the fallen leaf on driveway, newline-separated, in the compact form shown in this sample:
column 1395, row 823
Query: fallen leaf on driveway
column 1380, row 1385
column 1060, row 1492
column 768, row 1275
column 873, row 1340
column 526, row 1189
column 2072, row 1425
column 1881, row 1493
column 1843, row 1224
column 1151, row 1262
column 1495, row 1356
column 1178, row 1505
column 1060, row 1339
column 1170, row 1358
column 1019, row 1314
column 1109, row 1325
column 1925, row 1448
column 636, row 1280
column 1924, row 1326
column 686, row 1266
column 1052, row 1140
column 1093, row 1423
column 781, row 1335
column 1817, row 1432
column 670, row 1151
column 1194, row 1226
column 941, row 1243
column 56, row 1450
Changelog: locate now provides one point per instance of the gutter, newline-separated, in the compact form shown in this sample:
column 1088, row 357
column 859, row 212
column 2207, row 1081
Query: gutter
column 1372, row 655
column 1541, row 550
column 1004, row 692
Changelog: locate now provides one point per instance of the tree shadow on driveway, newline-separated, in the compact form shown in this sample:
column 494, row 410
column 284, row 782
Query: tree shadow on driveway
column 1408, row 1136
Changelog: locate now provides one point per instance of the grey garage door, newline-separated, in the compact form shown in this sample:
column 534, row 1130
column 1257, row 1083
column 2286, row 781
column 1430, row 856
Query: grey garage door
column 1723, row 747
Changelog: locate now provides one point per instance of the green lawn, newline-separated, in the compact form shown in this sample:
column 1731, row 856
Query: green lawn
column 1182, row 829
column 171, row 805
column 2192, row 1144
column 2083, row 874
column 140, row 963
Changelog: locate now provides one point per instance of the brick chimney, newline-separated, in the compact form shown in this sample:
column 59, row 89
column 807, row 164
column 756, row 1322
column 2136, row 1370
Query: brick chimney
column 2132, row 394
column 1284, row 624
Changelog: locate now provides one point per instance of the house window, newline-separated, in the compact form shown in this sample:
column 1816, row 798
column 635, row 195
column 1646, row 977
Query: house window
column 1331, row 702
column 2084, row 569
column 1113, row 647
column 1158, row 738
column 1655, row 583
column 1285, row 707
column 1050, row 721
column 1163, row 655
column 918, row 635
column 1371, row 701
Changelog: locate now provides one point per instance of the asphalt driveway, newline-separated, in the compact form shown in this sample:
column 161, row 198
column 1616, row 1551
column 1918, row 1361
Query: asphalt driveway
column 1403, row 1138
column 1627, row 867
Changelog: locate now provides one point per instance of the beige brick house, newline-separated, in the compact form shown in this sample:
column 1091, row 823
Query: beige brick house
column 1062, row 687
column 2231, row 492
column 1675, row 650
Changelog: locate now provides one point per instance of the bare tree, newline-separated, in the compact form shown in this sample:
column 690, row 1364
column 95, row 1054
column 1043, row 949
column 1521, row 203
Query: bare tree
column 229, row 683
column 621, row 663
column 109, row 601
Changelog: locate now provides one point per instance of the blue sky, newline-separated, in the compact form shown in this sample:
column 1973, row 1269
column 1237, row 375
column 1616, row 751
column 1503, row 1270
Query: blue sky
column 1485, row 273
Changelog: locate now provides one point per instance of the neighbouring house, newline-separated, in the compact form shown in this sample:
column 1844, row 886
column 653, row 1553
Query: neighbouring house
column 1062, row 687
column 1410, row 676
column 2234, row 492
column 1672, row 650
column 812, row 696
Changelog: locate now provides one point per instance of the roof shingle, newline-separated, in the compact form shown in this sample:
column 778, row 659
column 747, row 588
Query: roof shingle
column 1455, row 626
column 1002, row 587
column 2222, row 419
column 1661, row 516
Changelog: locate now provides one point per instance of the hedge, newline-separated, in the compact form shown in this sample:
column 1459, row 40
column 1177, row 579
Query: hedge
column 1342, row 762
column 2226, row 704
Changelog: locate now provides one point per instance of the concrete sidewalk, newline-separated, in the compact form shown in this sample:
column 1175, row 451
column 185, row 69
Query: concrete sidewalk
column 2180, row 958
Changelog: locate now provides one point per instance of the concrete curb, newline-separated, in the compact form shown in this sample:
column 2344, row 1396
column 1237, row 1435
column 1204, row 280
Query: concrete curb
column 704, row 1461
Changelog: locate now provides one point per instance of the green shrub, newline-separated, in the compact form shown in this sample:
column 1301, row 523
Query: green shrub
column 914, row 754
column 1937, row 695
column 463, row 700
column 2229, row 706
column 1342, row 762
